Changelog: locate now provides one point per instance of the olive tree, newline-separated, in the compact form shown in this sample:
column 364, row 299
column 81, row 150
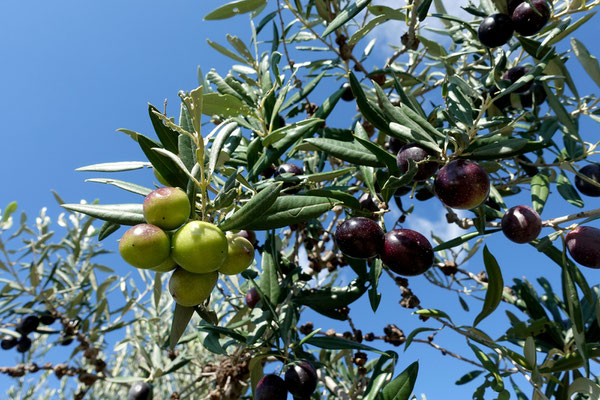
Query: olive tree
column 472, row 113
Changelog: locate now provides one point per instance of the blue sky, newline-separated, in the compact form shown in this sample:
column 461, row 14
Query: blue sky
column 73, row 72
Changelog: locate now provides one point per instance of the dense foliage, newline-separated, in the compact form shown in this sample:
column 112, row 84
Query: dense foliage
column 486, row 112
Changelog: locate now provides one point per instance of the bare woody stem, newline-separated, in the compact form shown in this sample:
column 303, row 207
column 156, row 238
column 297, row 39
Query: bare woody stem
column 411, row 35
column 466, row 223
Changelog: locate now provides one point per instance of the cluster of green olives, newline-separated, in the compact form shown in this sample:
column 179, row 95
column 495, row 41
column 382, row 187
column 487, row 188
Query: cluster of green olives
column 196, row 251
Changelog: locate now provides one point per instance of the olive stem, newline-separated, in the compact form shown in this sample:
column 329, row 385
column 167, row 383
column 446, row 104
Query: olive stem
column 411, row 35
column 466, row 223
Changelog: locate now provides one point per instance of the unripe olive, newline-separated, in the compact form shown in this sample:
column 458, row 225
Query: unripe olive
column 145, row 246
column 199, row 247
column 165, row 266
column 240, row 254
column 189, row 289
column 167, row 207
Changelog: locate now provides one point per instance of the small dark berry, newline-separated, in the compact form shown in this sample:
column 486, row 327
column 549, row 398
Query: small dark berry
column 249, row 236
column 289, row 169
column 280, row 121
column 528, row 21
column 367, row 203
column 270, row 387
column 65, row 340
column 536, row 95
column 140, row 391
column 46, row 318
column 462, row 184
column 501, row 102
column 359, row 237
column 407, row 252
column 347, row 95
column 301, row 379
column 394, row 145
column 28, row 324
column 512, row 4
column 424, row 194
column 8, row 342
column 24, row 344
column 378, row 78
column 495, row 30
column 252, row 297
column 583, row 244
column 413, row 151
column 592, row 171
column 516, row 73
column 521, row 224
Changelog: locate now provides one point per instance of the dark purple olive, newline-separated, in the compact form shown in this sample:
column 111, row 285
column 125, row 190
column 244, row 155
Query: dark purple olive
column 367, row 203
column 592, row 171
column 301, row 380
column 407, row 252
column 270, row 387
column 280, row 121
column 46, row 318
column 8, row 342
column 512, row 4
column 252, row 297
column 516, row 73
column 413, row 151
column 401, row 191
column 521, row 224
column 528, row 21
column 249, row 236
column 359, row 237
column 347, row 94
column 462, row 184
column 28, row 324
column 140, row 391
column 536, row 95
column 424, row 194
column 583, row 244
column 495, row 30
column 500, row 102
column 289, row 169
column 268, row 171
column 394, row 145
column 65, row 340
column 24, row 344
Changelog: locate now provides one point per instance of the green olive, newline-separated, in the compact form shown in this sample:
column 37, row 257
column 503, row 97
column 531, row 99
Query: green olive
column 145, row 246
column 199, row 247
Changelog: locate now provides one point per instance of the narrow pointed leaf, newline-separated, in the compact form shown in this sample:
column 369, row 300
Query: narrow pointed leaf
column 115, row 166
column 234, row 8
column 289, row 210
column 351, row 152
column 540, row 189
column 181, row 317
column 493, row 294
column 128, row 186
column 402, row 386
column 124, row 214
column 346, row 15
column 254, row 209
